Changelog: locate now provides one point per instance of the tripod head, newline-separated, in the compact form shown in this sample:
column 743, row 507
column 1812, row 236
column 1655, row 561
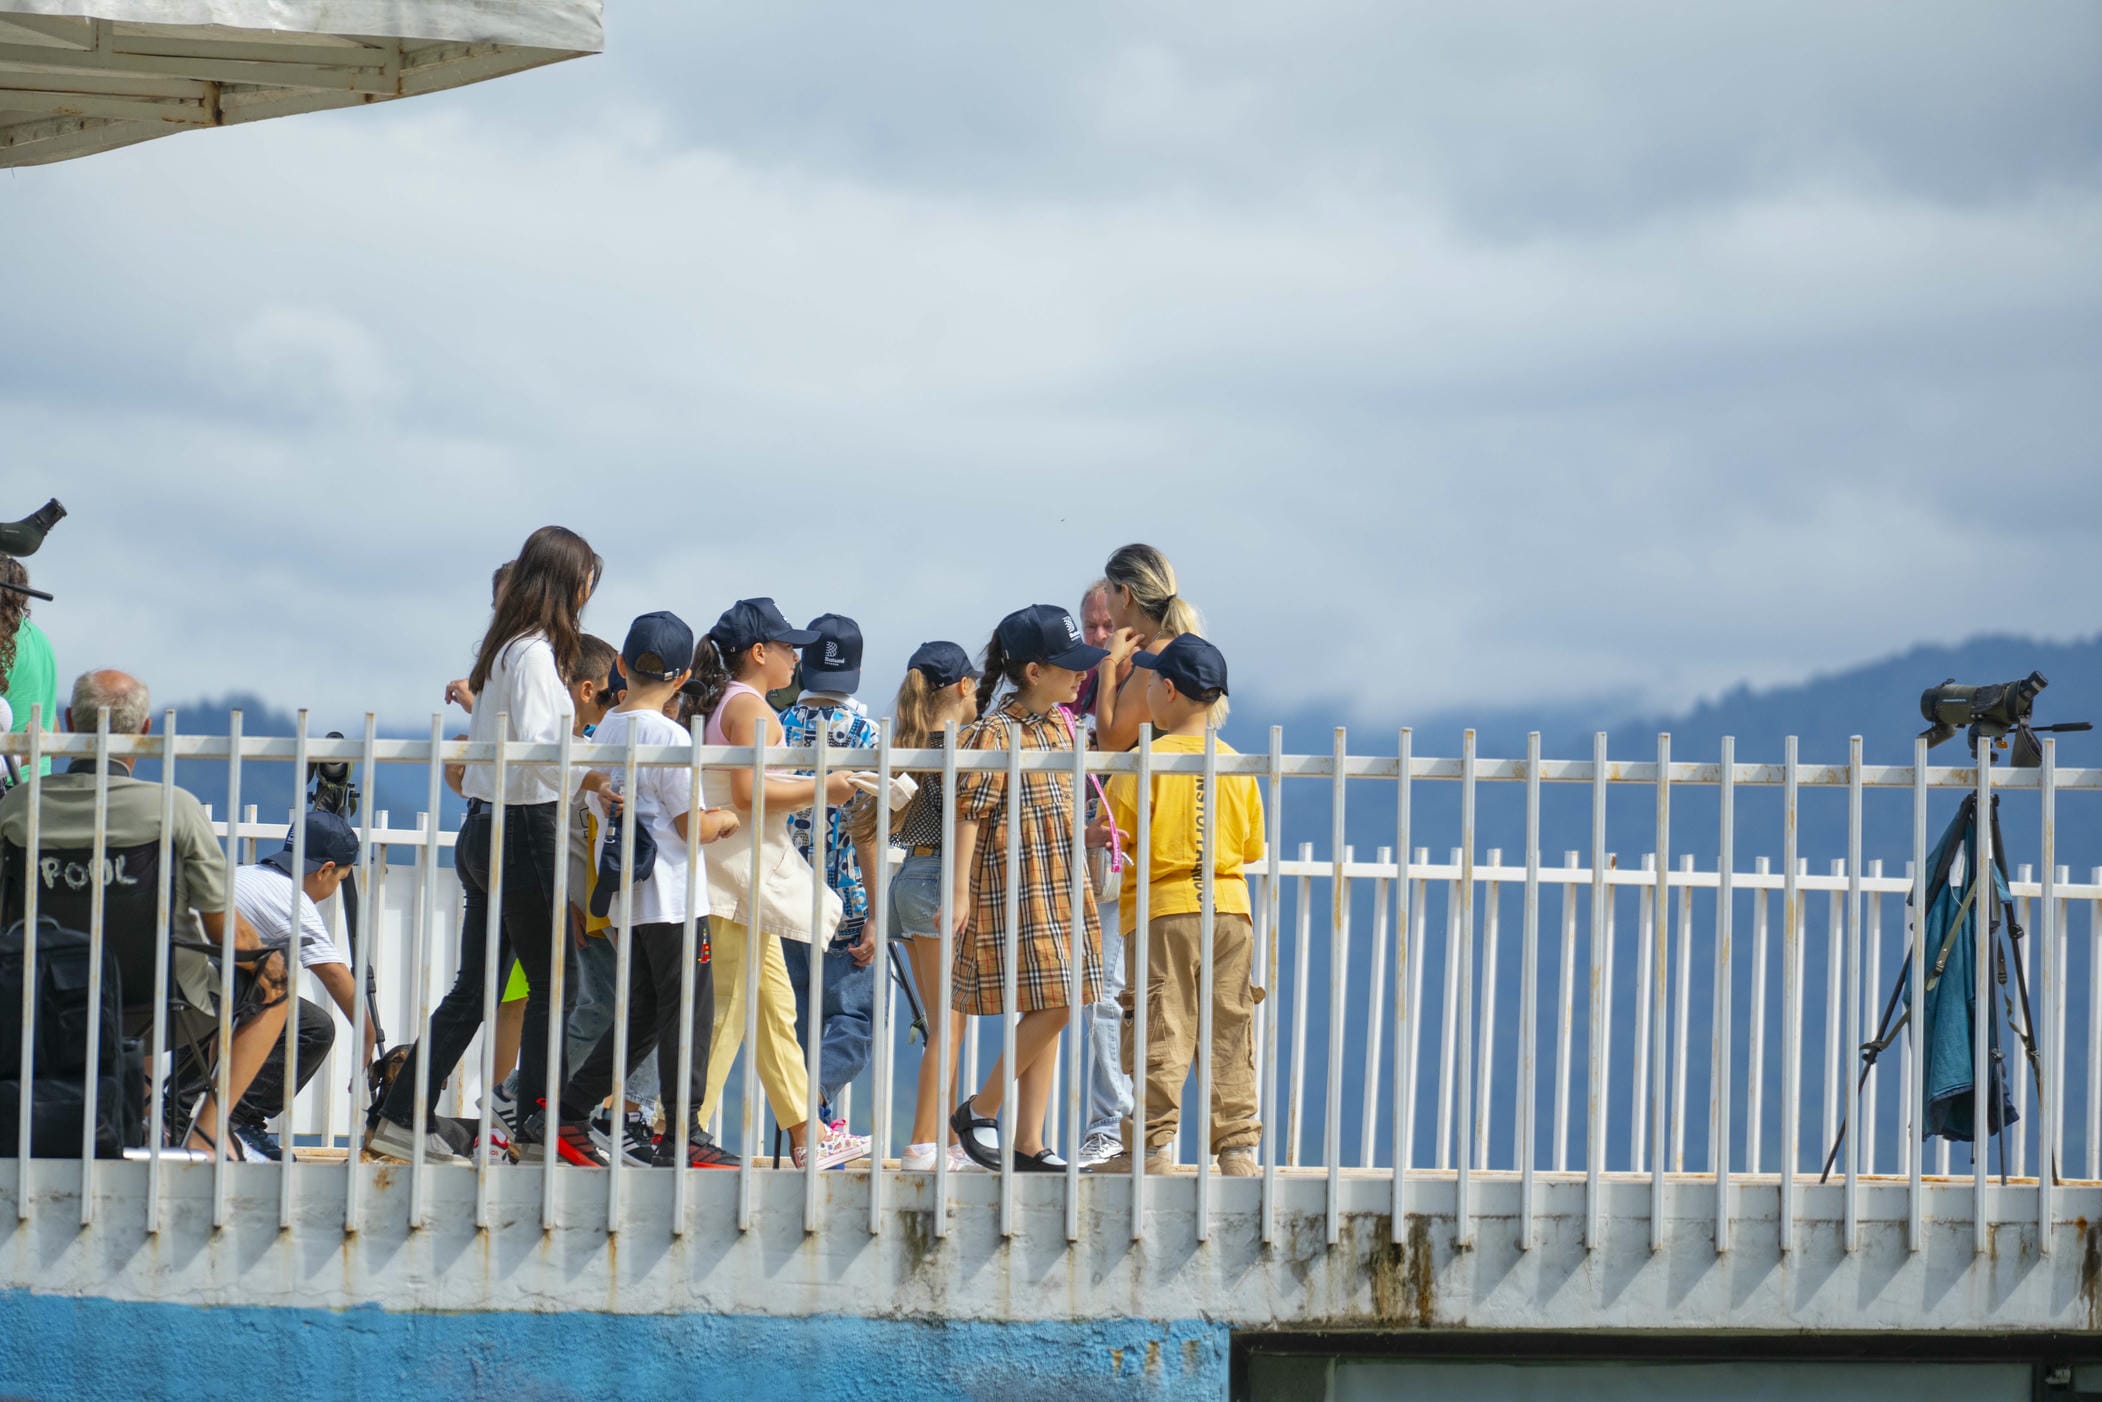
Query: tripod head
column 1994, row 713
column 24, row 536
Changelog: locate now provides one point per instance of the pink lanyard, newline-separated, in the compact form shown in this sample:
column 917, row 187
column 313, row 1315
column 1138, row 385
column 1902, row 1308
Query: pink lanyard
column 1116, row 838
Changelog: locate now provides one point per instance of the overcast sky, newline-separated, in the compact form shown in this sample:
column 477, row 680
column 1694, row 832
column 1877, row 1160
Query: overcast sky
column 1485, row 353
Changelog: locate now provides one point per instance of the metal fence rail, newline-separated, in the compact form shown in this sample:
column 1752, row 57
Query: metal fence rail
column 1627, row 1025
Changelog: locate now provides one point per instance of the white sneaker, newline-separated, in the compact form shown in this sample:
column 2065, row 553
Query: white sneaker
column 960, row 1162
column 836, row 1148
column 503, row 1108
column 399, row 1142
column 919, row 1158
column 1099, row 1148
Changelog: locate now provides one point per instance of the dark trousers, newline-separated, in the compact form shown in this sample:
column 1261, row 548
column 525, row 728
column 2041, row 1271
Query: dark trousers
column 653, row 1026
column 845, row 1032
column 316, row 1031
column 528, row 935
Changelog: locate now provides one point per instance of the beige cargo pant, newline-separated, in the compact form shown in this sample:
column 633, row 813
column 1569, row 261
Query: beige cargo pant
column 1173, row 988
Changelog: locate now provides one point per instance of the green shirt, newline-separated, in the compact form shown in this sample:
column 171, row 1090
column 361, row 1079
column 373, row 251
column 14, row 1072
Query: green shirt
column 34, row 679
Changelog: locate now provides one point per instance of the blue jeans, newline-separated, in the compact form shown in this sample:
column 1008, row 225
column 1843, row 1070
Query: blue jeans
column 849, row 994
column 1108, row 1088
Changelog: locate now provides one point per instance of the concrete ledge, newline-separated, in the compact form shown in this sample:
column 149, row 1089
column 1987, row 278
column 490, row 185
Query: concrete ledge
column 1367, row 1280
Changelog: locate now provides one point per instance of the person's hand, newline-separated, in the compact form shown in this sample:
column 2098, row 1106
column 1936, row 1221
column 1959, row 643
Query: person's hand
column 960, row 905
column 863, row 949
column 1098, row 833
column 719, row 823
column 1122, row 644
column 838, row 789
column 458, row 692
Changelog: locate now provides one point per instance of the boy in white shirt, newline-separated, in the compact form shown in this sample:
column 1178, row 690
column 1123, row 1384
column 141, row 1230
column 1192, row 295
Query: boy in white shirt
column 655, row 659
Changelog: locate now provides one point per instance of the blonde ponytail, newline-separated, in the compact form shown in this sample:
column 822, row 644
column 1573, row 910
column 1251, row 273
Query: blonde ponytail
column 1146, row 575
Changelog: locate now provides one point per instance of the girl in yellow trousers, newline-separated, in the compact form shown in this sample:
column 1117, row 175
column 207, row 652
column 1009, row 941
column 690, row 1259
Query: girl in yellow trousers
column 750, row 651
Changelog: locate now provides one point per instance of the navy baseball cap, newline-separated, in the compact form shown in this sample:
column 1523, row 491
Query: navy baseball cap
column 943, row 664
column 750, row 621
column 329, row 839
column 1048, row 634
column 664, row 634
column 833, row 661
column 1193, row 664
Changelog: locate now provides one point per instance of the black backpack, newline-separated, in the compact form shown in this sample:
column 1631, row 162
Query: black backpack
column 58, row 1073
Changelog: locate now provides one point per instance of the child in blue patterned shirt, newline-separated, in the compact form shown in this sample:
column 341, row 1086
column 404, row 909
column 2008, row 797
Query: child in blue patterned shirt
column 831, row 676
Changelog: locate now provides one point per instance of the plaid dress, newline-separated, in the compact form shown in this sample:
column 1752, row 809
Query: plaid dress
column 1045, row 830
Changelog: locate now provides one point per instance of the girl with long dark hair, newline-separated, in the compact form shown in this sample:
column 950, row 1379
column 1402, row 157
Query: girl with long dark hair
column 533, row 646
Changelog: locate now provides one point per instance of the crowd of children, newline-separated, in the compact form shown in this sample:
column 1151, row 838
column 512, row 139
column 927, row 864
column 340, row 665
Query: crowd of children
column 1000, row 902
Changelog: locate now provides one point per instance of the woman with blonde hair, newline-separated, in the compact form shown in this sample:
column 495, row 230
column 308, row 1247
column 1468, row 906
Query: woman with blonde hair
column 1147, row 614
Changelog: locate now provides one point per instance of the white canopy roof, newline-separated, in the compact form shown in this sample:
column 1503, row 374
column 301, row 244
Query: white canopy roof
column 80, row 76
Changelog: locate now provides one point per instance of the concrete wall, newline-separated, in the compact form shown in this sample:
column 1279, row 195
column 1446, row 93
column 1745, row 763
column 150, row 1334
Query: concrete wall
column 404, row 1313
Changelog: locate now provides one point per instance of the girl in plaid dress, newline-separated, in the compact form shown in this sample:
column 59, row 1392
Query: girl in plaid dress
column 1040, row 653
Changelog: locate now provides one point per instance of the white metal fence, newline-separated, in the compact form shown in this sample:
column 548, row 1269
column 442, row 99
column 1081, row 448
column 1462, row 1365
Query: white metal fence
column 1590, row 1064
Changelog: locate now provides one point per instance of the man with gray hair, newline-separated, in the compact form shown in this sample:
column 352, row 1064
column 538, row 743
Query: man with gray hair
column 200, row 882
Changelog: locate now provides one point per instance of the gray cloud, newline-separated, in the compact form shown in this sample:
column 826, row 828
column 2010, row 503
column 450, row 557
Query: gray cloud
column 1454, row 355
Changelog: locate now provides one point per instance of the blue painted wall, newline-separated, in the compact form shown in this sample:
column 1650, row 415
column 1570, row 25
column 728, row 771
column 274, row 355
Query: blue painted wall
column 59, row 1347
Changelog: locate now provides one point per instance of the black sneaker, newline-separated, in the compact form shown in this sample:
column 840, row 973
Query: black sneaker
column 637, row 1145
column 572, row 1144
column 256, row 1138
column 701, row 1152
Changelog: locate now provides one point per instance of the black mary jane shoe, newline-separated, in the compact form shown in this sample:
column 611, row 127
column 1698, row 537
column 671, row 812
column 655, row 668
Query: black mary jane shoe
column 1042, row 1161
column 968, row 1123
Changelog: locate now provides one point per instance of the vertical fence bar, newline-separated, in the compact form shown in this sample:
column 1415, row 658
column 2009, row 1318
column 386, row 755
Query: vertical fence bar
column 427, row 903
column 754, row 945
column 1448, row 1020
column 1418, row 942
column 2094, row 1031
column 623, row 977
column 1463, row 1197
column 1565, row 1013
column 683, row 1108
column 1601, row 976
column 1755, row 1038
column 2017, row 1153
column 1660, row 994
column 1375, row 1028
column 944, row 994
column 881, row 1033
column 1338, row 957
column 2064, row 969
column 223, row 1088
column 1528, row 997
column 1010, row 940
column 2048, row 973
column 1406, row 959
column 1138, row 975
column 370, row 894
column 1983, row 918
column 97, row 910
column 1682, row 997
column 558, row 942
column 492, row 944
column 814, row 1127
column 1303, row 934
column 294, row 957
column 1207, row 978
column 1829, row 1103
column 1850, row 995
column 1272, row 882
column 1719, row 1061
column 1485, row 1034
column 1645, row 946
column 1076, row 998
column 1865, row 1003
column 32, row 851
column 1791, row 995
column 163, row 928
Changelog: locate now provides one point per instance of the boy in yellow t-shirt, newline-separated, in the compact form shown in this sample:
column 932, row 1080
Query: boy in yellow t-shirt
column 1189, row 679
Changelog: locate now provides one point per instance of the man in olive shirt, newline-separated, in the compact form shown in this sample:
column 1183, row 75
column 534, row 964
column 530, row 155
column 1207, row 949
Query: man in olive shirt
column 200, row 882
